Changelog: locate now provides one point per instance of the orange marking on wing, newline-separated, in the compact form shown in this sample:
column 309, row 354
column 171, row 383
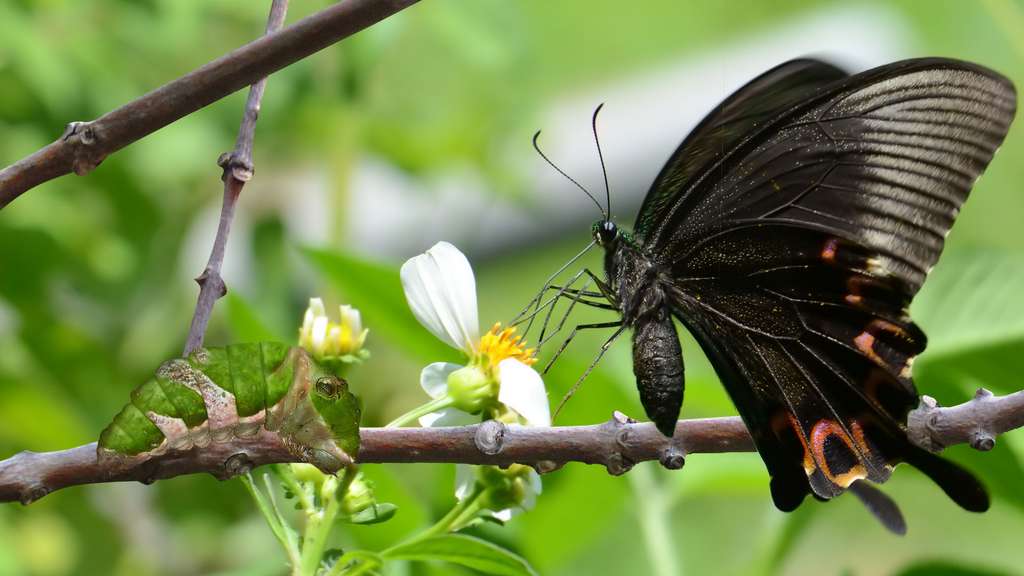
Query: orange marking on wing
column 886, row 326
column 858, row 436
column 791, row 422
column 866, row 344
column 819, row 434
column 809, row 466
column 853, row 285
column 828, row 254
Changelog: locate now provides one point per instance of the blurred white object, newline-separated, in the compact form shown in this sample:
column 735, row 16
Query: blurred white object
column 393, row 216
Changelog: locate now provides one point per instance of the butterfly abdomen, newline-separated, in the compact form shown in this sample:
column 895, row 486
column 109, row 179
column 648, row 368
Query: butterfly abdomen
column 213, row 395
column 658, row 367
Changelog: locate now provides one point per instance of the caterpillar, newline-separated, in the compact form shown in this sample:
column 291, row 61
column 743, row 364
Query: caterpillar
column 217, row 394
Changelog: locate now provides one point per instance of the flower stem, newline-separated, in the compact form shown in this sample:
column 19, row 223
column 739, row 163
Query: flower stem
column 319, row 524
column 284, row 533
column 414, row 414
column 456, row 518
column 652, row 514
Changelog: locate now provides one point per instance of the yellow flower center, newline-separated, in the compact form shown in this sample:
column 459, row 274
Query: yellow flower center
column 498, row 344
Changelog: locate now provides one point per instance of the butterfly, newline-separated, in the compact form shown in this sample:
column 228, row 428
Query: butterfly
column 788, row 233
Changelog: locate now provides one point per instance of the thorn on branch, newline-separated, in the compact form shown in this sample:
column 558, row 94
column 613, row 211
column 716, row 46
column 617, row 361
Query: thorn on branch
column 490, row 437
column 547, row 466
column 86, row 155
column 236, row 166
column 672, row 458
column 982, row 441
column 616, row 462
column 236, row 465
column 213, row 279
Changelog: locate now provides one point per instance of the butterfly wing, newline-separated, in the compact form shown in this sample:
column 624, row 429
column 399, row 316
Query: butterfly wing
column 794, row 253
column 731, row 121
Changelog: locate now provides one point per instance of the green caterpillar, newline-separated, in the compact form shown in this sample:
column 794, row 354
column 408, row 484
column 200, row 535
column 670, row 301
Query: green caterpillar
column 238, row 391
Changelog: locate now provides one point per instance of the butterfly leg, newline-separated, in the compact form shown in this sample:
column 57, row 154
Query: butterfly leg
column 611, row 303
column 536, row 300
column 600, row 354
column 576, row 330
column 576, row 298
column 606, row 293
column 564, row 291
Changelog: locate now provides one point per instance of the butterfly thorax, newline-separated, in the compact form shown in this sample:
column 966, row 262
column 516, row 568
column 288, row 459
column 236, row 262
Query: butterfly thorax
column 634, row 280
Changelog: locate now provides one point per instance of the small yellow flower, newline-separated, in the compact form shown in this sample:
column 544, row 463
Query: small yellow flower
column 497, row 345
column 326, row 339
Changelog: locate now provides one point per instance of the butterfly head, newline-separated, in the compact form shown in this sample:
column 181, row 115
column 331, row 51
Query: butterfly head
column 605, row 233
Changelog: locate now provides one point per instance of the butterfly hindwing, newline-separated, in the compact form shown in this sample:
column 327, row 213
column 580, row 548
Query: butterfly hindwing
column 794, row 253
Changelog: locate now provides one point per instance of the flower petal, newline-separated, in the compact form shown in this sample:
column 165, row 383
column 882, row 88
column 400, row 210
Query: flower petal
column 441, row 292
column 465, row 478
column 503, row 515
column 434, row 378
column 536, row 487
column 319, row 335
column 448, row 417
column 522, row 390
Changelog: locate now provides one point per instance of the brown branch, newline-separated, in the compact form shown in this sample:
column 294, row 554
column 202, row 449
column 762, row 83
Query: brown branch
column 238, row 169
column 85, row 144
column 617, row 444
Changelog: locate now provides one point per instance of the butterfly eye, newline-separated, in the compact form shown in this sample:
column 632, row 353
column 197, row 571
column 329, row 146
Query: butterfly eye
column 606, row 232
column 328, row 387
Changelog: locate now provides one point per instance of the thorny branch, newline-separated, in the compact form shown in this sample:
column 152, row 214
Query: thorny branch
column 617, row 444
column 238, row 169
column 85, row 144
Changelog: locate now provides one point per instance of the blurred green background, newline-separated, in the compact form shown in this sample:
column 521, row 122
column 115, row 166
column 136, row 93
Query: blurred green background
column 416, row 131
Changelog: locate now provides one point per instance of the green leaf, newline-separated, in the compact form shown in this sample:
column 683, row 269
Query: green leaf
column 376, row 290
column 974, row 319
column 247, row 325
column 464, row 550
column 356, row 560
column 375, row 514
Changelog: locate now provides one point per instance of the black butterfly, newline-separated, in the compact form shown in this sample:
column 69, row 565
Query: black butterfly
column 788, row 233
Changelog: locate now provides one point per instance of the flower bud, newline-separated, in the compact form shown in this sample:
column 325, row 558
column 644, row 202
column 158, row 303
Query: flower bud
column 504, row 488
column 308, row 473
column 359, row 496
column 327, row 340
column 471, row 389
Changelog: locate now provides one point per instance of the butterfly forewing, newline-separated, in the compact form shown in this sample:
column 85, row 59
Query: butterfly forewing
column 794, row 250
column 730, row 123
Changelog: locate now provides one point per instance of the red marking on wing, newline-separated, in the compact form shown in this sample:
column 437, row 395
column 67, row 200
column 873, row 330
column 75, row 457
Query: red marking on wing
column 865, row 342
column 828, row 254
column 821, row 432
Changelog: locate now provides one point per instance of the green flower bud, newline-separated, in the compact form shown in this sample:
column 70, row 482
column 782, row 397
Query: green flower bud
column 328, row 488
column 359, row 496
column 308, row 473
column 504, row 488
column 471, row 389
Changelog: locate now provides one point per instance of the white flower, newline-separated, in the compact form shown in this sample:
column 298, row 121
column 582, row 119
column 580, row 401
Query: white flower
column 324, row 338
column 514, row 490
column 441, row 291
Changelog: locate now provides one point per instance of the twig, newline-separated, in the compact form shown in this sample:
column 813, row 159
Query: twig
column 617, row 444
column 238, row 169
column 85, row 144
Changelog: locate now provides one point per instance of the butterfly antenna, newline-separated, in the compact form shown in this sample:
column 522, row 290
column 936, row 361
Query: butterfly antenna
column 597, row 142
column 560, row 171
